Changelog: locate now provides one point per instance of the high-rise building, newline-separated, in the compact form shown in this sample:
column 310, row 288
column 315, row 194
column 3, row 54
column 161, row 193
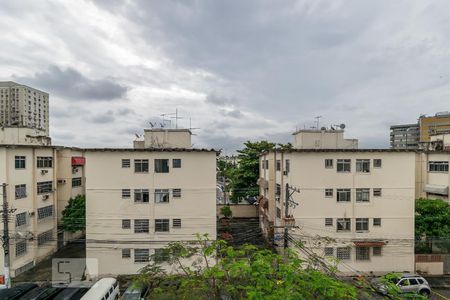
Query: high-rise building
column 405, row 136
column 23, row 107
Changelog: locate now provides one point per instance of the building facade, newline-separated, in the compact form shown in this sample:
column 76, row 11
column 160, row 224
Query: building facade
column 432, row 176
column 405, row 136
column 322, row 139
column 23, row 106
column 359, row 202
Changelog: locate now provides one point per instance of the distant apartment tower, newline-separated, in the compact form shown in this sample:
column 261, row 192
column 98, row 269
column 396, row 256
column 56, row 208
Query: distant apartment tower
column 405, row 136
column 22, row 107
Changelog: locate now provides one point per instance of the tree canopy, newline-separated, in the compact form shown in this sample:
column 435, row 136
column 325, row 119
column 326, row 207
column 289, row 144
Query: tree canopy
column 74, row 215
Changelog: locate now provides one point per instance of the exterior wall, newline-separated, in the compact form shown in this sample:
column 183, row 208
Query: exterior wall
column 433, row 125
column 437, row 179
column 167, row 138
column 23, row 136
column 430, row 268
column 405, row 136
column 105, row 207
column 240, row 210
column 323, row 139
column 395, row 207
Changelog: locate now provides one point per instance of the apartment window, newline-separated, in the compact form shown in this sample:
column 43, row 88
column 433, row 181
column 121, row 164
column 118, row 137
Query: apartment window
column 329, row 251
column 141, row 196
column 76, row 182
column 328, row 221
column 126, row 224
column 176, row 163
column 278, row 191
column 278, row 165
column 328, row 192
column 176, row 193
column 343, row 224
column 176, row 223
column 266, row 163
column 45, row 237
column 21, row 219
column 21, row 191
column 161, row 255
column 363, row 165
column 45, row 162
column 278, row 213
column 162, row 196
column 161, row 166
column 20, row 162
column 126, row 163
column 377, row 251
column 438, row 166
column 141, row 255
column 44, row 187
column 376, row 221
column 141, row 165
column 377, row 192
column 362, row 253
column 362, row 195
column 126, row 253
column 287, row 167
column 162, row 225
column 21, row 248
column 377, row 163
column 343, row 195
column 141, row 226
column 362, row 224
column 344, row 165
column 126, row 193
column 343, row 253
column 328, row 163
column 45, row 212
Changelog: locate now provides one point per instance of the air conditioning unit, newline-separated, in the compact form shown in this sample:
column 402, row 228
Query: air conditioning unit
column 45, row 197
column 43, row 172
column 61, row 181
column 285, row 173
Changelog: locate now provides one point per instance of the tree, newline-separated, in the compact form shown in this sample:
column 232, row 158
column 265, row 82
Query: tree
column 74, row 215
column 226, row 211
column 432, row 222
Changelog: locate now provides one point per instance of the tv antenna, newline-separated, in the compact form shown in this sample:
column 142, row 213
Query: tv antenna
column 190, row 126
column 318, row 121
column 340, row 126
column 172, row 116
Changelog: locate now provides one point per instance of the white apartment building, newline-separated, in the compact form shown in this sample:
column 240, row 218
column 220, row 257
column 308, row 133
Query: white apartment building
column 362, row 199
column 433, row 178
column 23, row 106
column 139, row 200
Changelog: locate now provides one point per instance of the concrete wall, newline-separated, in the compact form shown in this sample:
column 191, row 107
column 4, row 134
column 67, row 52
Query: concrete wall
column 240, row 210
column 323, row 139
column 23, row 136
column 167, row 138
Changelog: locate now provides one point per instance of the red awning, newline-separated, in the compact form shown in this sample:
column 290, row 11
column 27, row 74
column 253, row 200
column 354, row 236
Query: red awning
column 78, row 161
column 369, row 244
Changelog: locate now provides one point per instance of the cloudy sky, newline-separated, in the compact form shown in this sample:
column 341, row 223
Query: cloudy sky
column 239, row 69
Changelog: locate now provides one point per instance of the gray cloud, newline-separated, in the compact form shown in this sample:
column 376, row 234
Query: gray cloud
column 105, row 118
column 220, row 100
column 71, row 84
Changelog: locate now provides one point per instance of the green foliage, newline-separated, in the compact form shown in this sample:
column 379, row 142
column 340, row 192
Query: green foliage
column 212, row 269
column 432, row 222
column 226, row 211
column 74, row 215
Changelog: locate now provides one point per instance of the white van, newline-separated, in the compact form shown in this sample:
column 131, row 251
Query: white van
column 104, row 289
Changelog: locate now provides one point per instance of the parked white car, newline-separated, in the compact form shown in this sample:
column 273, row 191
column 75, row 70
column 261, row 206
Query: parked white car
column 406, row 282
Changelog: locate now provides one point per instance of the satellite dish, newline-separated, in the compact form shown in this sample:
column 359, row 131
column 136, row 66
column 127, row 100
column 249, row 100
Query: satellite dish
column 323, row 128
column 342, row 126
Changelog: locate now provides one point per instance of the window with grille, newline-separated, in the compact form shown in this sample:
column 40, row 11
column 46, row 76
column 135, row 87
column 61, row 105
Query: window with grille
column 343, row 224
column 76, row 182
column 328, row 221
column 329, row 251
column 362, row 224
column 363, row 165
column 278, row 213
column 45, row 212
column 176, row 163
column 161, row 255
column 376, row 221
column 328, row 192
column 377, row 192
column 362, row 195
column 343, row 195
column 162, row 225
column 266, row 163
column 161, row 196
column 141, row 165
column 20, row 162
column 141, row 226
column 176, row 223
column 362, row 253
column 21, row 219
column 44, row 187
column 278, row 165
column 344, row 165
column 343, row 253
column 45, row 237
column 377, row 163
column 126, row 253
column 141, row 255
column 141, row 196
column 161, row 166
column 21, row 248
column 126, row 224
column 438, row 166
column 44, row 162
column 278, row 190
column 126, row 193
column 287, row 166
column 21, row 191
column 176, row 193
column 328, row 163
column 126, row 163
column 377, row 251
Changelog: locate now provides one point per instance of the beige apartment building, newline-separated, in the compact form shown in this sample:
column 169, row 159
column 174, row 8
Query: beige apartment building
column 141, row 199
column 432, row 177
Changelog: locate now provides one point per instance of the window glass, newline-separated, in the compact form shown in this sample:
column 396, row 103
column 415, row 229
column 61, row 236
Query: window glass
column 161, row 166
column 141, row 226
column 141, row 165
column 162, row 225
column 328, row 163
column 343, row 195
column 377, row 163
column 362, row 195
column 363, row 165
column 176, row 163
column 161, row 195
column 343, row 165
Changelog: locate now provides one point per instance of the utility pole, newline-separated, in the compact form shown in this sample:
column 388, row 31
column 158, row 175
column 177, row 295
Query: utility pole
column 5, row 215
